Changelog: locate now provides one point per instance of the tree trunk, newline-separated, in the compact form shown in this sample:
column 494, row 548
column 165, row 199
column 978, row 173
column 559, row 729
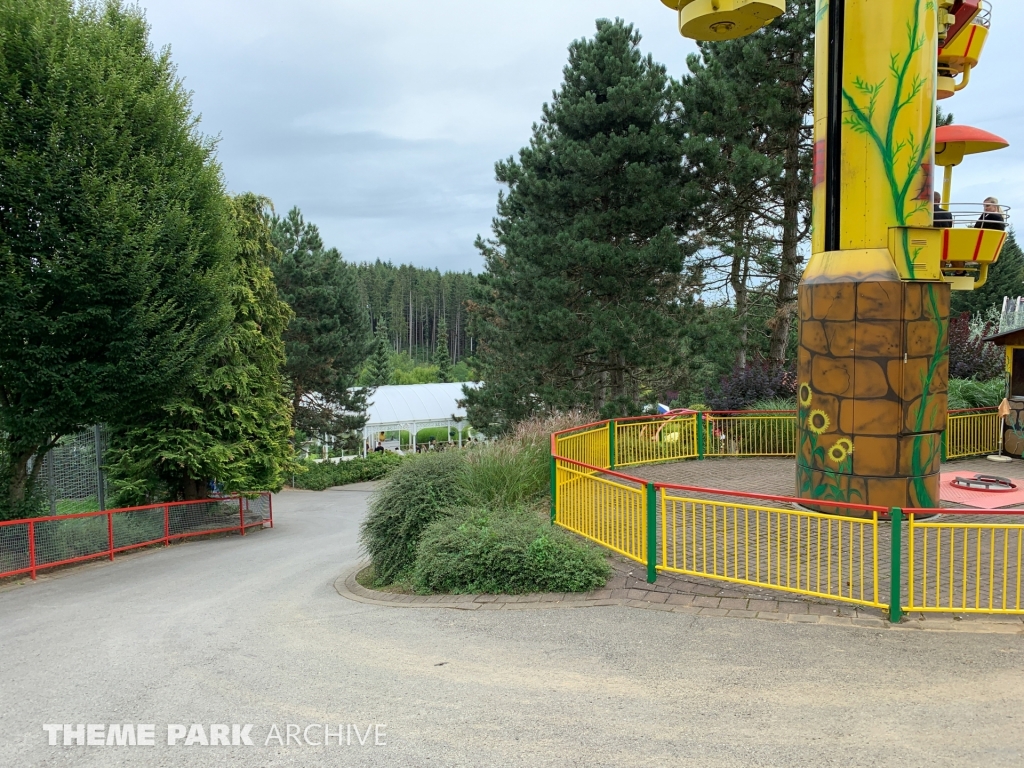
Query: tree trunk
column 785, row 297
column 739, row 277
column 21, row 479
column 195, row 490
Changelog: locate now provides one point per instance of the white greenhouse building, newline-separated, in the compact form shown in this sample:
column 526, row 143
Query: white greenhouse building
column 412, row 407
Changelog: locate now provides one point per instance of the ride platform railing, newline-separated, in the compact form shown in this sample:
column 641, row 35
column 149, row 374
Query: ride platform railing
column 39, row 543
column 948, row 560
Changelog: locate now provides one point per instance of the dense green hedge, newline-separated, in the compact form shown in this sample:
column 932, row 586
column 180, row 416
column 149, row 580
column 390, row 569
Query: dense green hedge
column 508, row 551
column 318, row 477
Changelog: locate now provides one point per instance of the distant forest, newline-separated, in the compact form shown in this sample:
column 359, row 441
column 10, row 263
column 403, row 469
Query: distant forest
column 410, row 302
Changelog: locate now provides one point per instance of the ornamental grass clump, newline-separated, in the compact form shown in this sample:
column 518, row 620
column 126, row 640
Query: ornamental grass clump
column 504, row 551
column 507, row 473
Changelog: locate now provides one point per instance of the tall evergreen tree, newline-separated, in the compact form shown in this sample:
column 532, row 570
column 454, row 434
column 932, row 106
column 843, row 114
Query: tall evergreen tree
column 328, row 340
column 442, row 355
column 231, row 423
column 114, row 230
column 579, row 299
column 746, row 108
column 381, row 368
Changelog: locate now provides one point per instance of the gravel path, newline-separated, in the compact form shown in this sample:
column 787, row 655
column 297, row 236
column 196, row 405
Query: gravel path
column 252, row 631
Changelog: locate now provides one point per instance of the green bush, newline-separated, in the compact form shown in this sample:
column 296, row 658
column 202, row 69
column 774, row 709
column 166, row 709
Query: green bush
column 968, row 393
column 318, row 477
column 507, row 551
column 416, row 493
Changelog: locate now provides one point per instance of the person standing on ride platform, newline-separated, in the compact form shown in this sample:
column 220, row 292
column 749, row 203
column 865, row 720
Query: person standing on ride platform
column 993, row 217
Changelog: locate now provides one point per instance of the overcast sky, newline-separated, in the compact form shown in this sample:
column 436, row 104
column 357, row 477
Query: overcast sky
column 382, row 121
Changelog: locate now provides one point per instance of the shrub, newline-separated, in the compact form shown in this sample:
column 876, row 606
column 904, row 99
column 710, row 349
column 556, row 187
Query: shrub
column 419, row 490
column 758, row 380
column 970, row 357
column 508, row 551
column 319, row 477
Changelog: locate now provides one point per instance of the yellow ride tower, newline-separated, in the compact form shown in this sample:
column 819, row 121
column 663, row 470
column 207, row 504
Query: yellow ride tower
column 873, row 359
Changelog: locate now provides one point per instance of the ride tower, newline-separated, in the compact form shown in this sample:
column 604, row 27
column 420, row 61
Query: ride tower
column 873, row 359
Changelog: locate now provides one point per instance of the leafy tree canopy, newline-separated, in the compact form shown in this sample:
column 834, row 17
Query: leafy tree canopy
column 115, row 235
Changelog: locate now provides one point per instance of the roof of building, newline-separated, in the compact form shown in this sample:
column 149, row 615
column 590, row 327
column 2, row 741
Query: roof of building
column 1011, row 338
column 423, row 404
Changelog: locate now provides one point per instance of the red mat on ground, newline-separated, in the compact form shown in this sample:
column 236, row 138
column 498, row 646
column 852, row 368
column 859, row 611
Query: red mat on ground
column 979, row 499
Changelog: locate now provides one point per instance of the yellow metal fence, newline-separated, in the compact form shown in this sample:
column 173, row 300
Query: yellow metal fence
column 941, row 564
column 972, row 433
column 756, row 434
column 794, row 551
column 591, row 446
column 648, row 442
column 964, row 567
column 606, row 511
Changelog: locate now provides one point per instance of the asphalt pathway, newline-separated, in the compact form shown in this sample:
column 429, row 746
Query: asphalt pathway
column 251, row 631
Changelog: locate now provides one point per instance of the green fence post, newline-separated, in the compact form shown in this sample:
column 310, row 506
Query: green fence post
column 554, row 489
column 700, row 435
column 652, row 533
column 611, row 444
column 896, row 576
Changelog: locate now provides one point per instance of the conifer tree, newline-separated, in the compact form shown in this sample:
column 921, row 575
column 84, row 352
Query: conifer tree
column 231, row 423
column 381, row 369
column 579, row 299
column 442, row 356
column 745, row 107
column 328, row 340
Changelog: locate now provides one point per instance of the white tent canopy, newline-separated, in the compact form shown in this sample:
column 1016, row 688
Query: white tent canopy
column 412, row 407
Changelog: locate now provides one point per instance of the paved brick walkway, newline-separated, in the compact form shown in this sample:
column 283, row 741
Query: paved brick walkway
column 628, row 587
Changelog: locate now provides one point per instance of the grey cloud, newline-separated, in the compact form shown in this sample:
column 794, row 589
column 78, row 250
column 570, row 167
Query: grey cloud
column 383, row 121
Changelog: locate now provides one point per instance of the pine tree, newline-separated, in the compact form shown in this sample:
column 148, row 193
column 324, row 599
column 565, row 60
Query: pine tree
column 380, row 366
column 579, row 299
column 328, row 340
column 232, row 422
column 746, row 108
column 442, row 356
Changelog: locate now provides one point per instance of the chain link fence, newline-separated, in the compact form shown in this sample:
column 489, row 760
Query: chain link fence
column 71, row 477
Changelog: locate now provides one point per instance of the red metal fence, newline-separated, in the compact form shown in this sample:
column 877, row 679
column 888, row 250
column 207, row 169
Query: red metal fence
column 29, row 546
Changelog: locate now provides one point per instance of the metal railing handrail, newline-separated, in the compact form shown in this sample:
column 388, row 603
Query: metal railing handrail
column 769, row 497
column 32, row 526
column 638, row 520
column 984, row 17
column 123, row 510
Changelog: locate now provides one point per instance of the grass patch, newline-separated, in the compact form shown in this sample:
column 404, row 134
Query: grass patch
column 367, row 578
